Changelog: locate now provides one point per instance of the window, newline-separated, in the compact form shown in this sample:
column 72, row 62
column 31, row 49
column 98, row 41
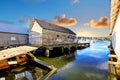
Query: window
column 57, row 35
column 13, row 38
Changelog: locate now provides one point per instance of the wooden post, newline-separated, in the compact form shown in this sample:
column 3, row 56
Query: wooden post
column 47, row 53
column 117, row 69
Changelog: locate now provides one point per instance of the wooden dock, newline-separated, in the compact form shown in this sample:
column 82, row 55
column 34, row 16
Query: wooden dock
column 63, row 48
column 5, row 55
column 113, row 66
column 11, row 52
column 60, row 49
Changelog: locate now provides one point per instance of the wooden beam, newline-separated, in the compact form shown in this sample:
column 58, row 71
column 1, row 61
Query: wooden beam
column 112, row 62
column 112, row 55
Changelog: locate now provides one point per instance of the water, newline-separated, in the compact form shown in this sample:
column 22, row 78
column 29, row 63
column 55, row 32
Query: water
column 89, row 64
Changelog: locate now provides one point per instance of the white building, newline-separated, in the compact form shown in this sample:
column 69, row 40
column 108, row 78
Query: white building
column 44, row 33
column 115, row 26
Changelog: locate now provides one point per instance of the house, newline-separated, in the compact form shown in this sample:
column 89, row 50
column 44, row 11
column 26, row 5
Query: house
column 44, row 33
column 12, row 36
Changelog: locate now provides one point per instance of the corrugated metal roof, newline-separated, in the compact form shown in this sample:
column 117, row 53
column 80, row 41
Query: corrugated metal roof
column 13, row 29
column 51, row 26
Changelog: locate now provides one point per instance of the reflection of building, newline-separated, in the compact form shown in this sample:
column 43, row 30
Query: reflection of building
column 44, row 33
column 115, row 26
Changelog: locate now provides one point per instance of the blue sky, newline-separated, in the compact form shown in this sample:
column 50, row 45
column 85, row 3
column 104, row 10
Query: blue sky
column 84, row 17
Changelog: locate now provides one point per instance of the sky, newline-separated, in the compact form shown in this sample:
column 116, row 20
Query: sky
column 89, row 18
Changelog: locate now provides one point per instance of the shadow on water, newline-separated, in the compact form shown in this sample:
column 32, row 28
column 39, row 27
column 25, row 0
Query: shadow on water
column 89, row 64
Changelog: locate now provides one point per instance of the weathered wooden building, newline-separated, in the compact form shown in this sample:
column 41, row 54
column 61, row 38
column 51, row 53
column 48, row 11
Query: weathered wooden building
column 12, row 39
column 12, row 36
column 44, row 33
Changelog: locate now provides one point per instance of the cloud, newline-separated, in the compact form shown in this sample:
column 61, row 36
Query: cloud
column 86, row 24
column 6, row 22
column 76, row 1
column 102, row 23
column 103, row 66
column 25, row 20
column 63, row 21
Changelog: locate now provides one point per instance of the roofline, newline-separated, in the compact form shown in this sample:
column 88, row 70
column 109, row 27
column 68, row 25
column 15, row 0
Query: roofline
column 113, row 15
column 55, row 25
column 14, row 33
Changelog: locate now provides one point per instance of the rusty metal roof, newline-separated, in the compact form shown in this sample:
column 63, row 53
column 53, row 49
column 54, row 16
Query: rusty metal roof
column 50, row 26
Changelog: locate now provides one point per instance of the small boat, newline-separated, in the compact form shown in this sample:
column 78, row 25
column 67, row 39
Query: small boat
column 23, row 66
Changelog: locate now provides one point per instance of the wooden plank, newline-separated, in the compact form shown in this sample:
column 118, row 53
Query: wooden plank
column 112, row 62
column 11, row 52
column 112, row 55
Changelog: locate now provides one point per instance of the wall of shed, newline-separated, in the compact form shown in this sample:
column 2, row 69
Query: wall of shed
column 8, row 39
column 50, row 37
column 35, row 35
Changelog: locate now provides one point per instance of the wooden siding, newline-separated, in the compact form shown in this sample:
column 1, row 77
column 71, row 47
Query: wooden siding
column 35, row 35
column 8, row 39
column 50, row 37
column 40, row 35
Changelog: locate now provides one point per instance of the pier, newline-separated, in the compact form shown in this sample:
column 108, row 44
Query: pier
column 16, row 60
column 113, row 66
column 60, row 49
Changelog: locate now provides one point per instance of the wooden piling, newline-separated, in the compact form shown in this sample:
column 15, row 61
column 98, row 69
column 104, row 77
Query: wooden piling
column 47, row 53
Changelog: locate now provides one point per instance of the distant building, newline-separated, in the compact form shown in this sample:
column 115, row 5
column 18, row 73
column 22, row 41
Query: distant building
column 12, row 36
column 44, row 33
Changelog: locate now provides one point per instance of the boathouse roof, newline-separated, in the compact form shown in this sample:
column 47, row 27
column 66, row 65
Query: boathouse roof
column 114, row 12
column 4, row 28
column 50, row 26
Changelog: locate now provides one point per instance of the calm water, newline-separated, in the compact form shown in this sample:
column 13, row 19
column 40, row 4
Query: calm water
column 89, row 64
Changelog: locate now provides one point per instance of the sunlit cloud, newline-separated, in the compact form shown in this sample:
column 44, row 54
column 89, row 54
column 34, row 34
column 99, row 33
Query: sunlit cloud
column 25, row 20
column 76, row 1
column 63, row 21
column 103, row 22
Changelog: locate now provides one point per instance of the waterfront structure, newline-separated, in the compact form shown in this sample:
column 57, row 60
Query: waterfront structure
column 115, row 26
column 114, row 56
column 18, row 60
column 43, row 33
column 12, row 36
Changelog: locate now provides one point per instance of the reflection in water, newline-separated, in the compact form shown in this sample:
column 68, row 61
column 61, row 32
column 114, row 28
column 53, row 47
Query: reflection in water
column 26, row 72
column 89, row 64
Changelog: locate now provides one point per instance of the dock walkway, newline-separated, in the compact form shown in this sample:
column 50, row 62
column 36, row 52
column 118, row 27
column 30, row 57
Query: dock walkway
column 11, row 52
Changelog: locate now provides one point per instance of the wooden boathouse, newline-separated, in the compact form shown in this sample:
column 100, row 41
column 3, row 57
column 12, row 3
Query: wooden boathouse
column 44, row 33
column 50, row 36
column 114, row 56
column 12, row 36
